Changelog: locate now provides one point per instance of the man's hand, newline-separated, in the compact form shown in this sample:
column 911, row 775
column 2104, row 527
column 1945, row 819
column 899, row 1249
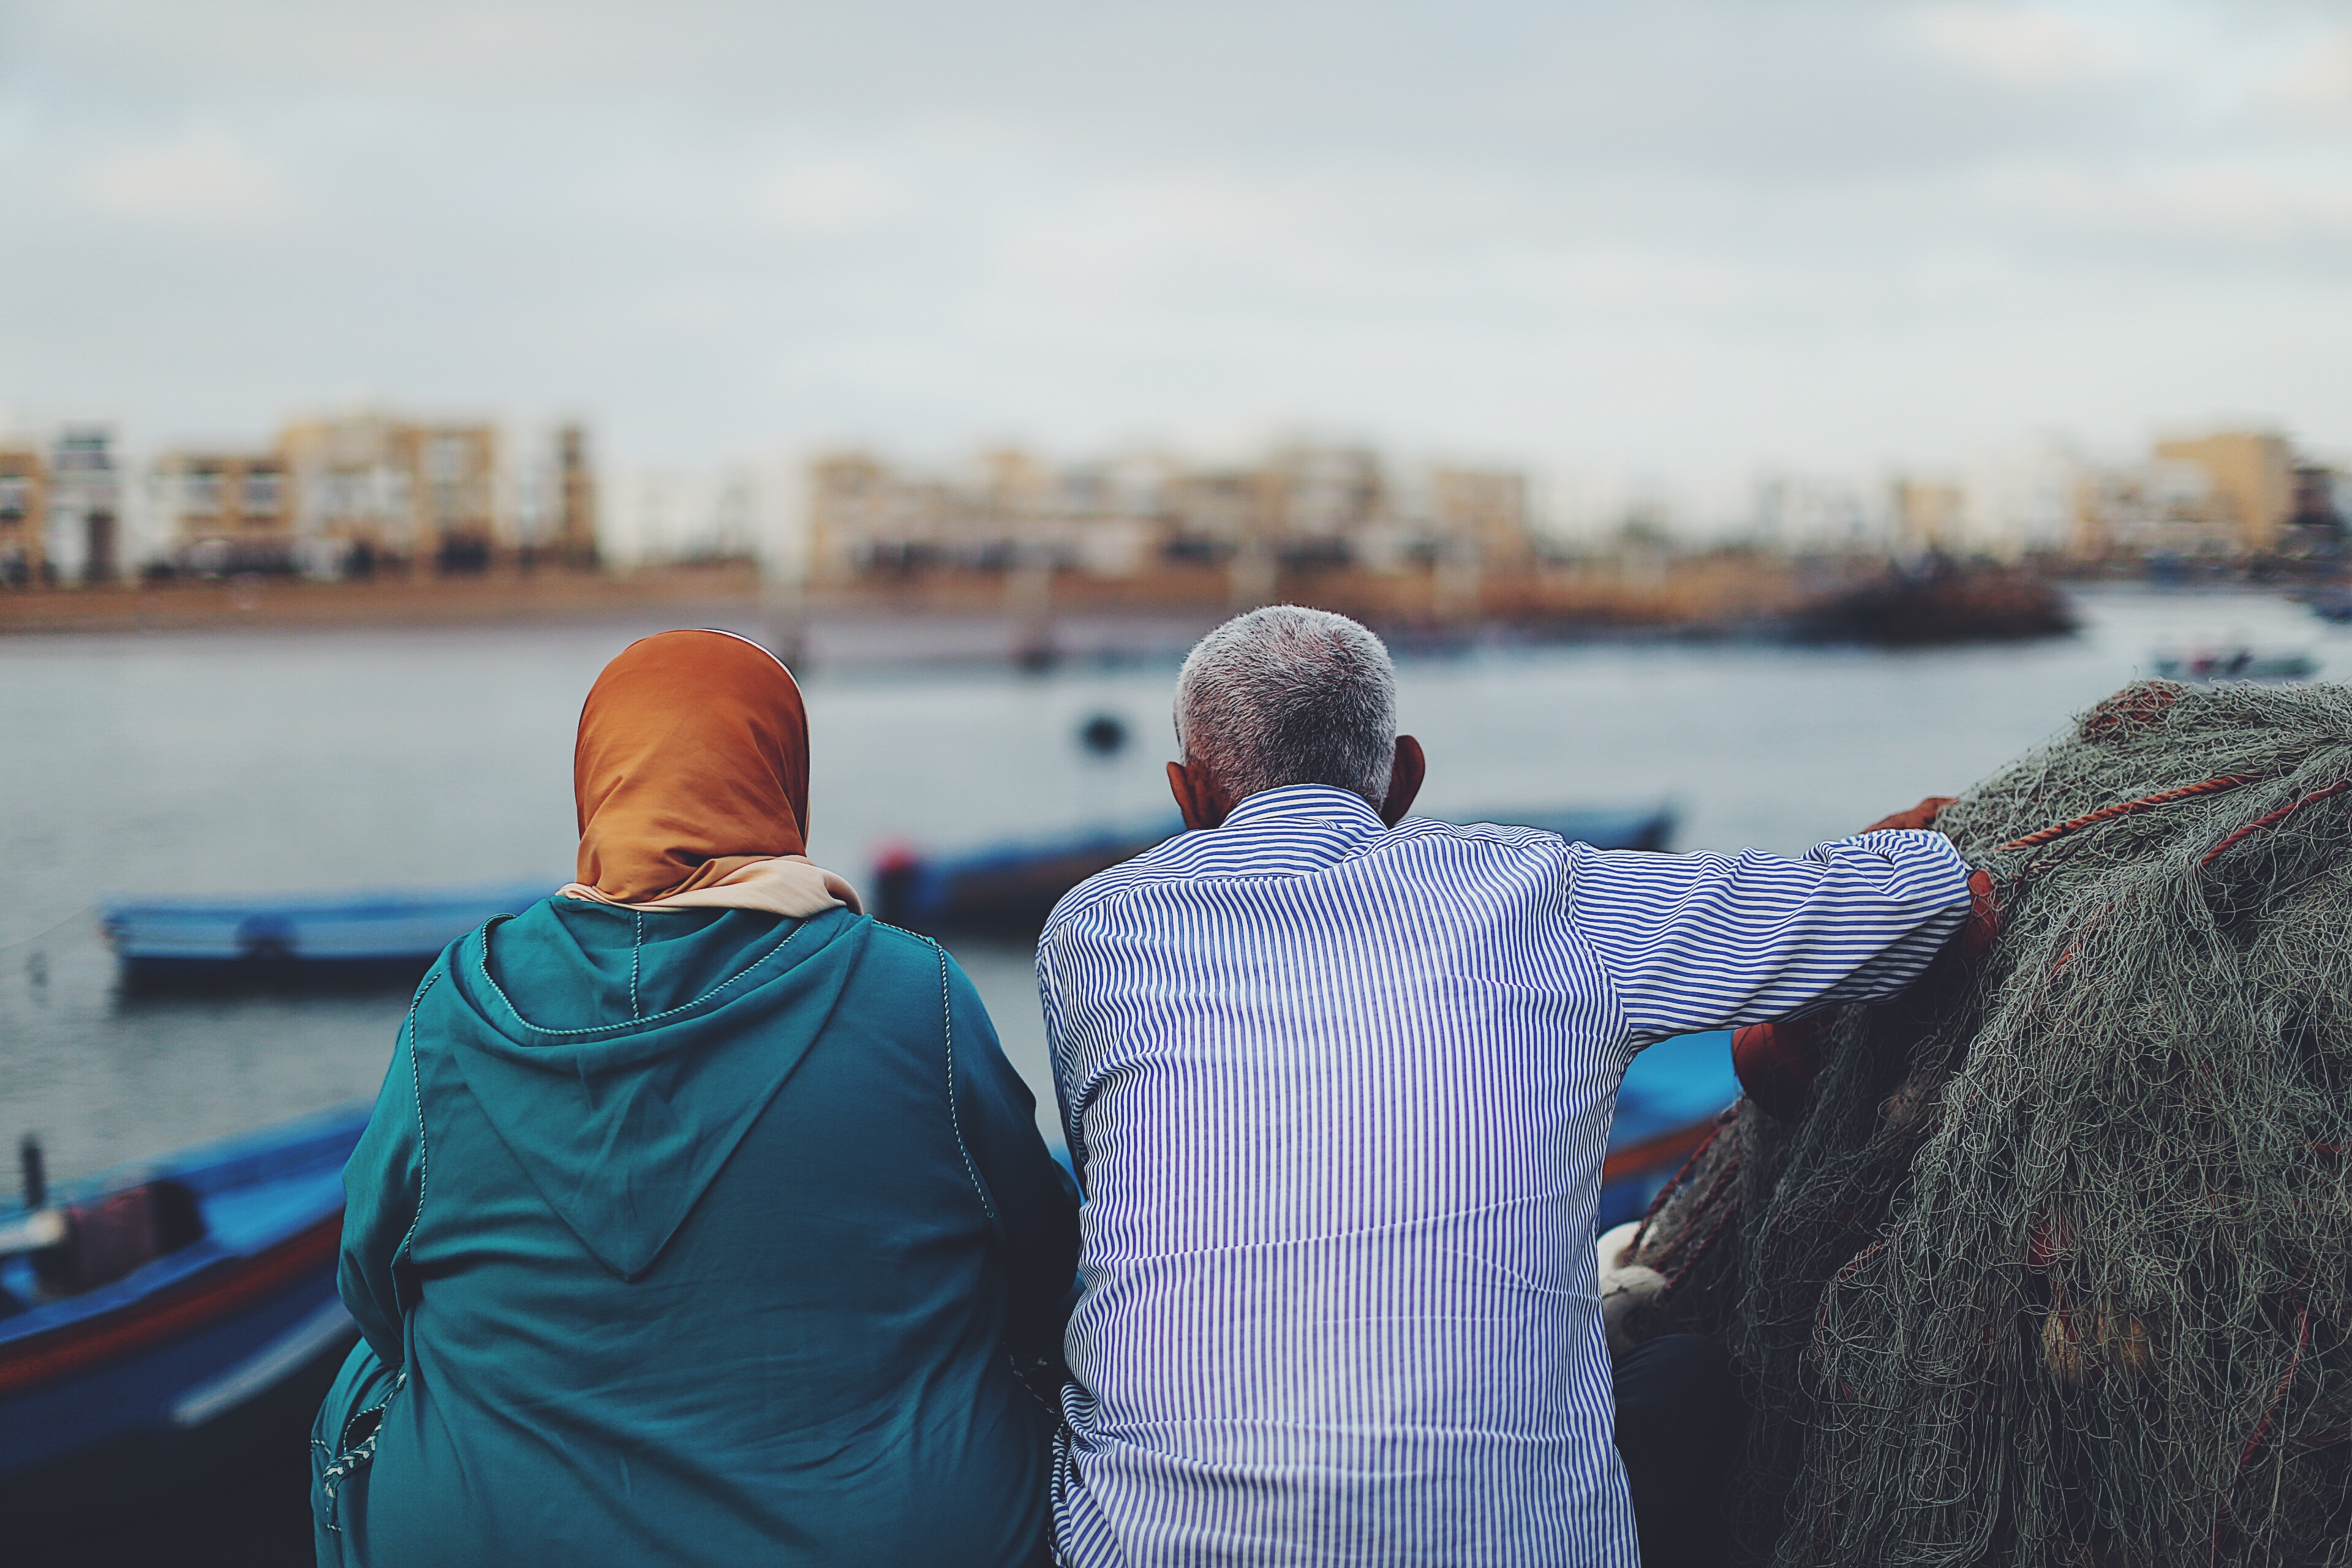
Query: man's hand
column 1921, row 816
column 1977, row 937
column 1983, row 928
column 1777, row 1062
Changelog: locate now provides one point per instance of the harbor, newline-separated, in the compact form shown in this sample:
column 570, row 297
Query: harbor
column 912, row 787
column 182, row 785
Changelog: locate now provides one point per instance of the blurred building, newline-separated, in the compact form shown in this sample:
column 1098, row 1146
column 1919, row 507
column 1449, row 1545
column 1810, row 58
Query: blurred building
column 1930, row 515
column 2218, row 498
column 224, row 511
column 83, row 541
column 1488, row 510
column 573, row 537
column 371, row 491
column 1302, row 507
column 24, row 516
column 2249, row 480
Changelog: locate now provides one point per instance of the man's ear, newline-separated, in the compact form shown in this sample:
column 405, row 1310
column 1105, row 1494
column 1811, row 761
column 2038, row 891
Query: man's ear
column 1406, row 774
column 1198, row 795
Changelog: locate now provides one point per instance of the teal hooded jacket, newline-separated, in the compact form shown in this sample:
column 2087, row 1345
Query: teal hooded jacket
column 697, row 1237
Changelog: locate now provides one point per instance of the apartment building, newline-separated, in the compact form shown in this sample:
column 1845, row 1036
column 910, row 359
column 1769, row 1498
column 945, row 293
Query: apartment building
column 572, row 537
column 24, row 516
column 2219, row 497
column 84, row 531
column 372, row 492
column 226, row 512
column 1301, row 507
column 2249, row 482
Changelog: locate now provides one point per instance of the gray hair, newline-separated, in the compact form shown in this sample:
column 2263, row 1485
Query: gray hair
column 1290, row 695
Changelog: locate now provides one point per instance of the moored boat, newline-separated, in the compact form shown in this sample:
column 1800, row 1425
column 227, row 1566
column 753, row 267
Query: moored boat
column 1011, row 888
column 2234, row 663
column 1673, row 1096
column 156, row 1325
column 299, row 938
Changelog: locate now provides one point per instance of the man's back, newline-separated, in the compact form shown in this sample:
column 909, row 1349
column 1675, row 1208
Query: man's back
column 1340, row 1095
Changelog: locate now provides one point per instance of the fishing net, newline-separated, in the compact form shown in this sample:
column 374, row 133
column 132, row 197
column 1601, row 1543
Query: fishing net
column 2056, row 1268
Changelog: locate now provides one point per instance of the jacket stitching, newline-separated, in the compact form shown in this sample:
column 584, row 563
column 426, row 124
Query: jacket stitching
column 484, row 964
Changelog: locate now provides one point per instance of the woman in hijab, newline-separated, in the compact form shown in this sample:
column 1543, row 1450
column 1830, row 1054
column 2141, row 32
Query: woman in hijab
column 701, row 1218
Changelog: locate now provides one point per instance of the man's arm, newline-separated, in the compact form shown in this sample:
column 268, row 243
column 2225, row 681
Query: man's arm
column 1702, row 942
column 1049, row 1001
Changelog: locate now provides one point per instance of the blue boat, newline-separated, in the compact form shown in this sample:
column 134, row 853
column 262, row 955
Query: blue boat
column 1671, row 1097
column 215, row 1340
column 360, row 937
column 1012, row 888
column 223, row 1344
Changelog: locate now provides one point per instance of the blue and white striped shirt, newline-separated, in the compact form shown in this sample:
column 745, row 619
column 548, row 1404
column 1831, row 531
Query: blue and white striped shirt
column 1338, row 1096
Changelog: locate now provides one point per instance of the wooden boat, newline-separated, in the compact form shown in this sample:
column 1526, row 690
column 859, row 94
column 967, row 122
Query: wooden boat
column 2203, row 666
column 1011, row 888
column 304, row 938
column 222, row 1345
column 213, row 1341
column 1673, row 1096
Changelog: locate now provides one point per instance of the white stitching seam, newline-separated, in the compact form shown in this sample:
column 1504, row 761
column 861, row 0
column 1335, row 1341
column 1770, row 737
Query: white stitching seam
column 947, row 1033
column 651, row 1017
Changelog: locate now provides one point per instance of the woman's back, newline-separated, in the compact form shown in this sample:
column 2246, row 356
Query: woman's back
column 699, row 1236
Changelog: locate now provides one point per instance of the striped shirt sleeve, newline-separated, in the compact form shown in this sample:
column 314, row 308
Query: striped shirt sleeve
column 1050, row 999
column 1703, row 942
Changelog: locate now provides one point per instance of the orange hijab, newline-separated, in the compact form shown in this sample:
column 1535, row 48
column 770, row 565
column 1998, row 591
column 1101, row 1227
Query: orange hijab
column 691, row 777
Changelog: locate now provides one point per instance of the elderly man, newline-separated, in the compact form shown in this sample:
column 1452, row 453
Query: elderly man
column 1338, row 1084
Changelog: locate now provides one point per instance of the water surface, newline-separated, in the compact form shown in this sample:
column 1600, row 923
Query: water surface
column 234, row 763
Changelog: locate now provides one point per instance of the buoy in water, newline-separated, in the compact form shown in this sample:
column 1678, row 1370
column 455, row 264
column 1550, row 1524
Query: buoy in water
column 1105, row 734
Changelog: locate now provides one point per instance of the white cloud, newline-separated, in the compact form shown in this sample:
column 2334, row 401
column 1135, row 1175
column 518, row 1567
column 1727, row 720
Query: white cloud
column 2319, row 81
column 2233, row 202
column 2023, row 46
column 202, row 176
column 1670, row 234
column 828, row 198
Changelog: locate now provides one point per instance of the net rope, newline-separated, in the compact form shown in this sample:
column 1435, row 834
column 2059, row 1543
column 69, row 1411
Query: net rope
column 2056, row 1267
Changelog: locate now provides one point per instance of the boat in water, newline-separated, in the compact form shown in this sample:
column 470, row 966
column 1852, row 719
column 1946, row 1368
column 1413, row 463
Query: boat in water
column 160, row 1325
column 1011, row 888
column 2237, row 662
column 1673, row 1096
column 360, row 938
column 1937, row 602
column 377, row 938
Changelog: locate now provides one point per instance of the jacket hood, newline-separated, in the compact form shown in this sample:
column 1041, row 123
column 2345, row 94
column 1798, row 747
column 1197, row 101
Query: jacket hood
column 621, row 1056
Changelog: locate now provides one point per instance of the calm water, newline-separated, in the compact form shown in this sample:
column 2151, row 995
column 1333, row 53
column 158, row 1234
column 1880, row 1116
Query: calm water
column 251, row 763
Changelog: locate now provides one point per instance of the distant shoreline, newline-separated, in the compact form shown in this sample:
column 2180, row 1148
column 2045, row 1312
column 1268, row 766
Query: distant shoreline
column 1695, row 595
column 506, row 598
column 1033, row 621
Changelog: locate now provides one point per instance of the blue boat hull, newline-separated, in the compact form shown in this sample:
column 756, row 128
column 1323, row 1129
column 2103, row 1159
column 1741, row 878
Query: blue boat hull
column 1672, row 1097
column 206, row 1354
column 357, row 939
column 188, row 1363
column 1012, row 888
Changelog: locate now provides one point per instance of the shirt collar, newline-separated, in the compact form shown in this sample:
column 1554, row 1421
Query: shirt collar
column 1303, row 803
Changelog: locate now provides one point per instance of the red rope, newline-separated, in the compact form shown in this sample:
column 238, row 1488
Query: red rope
column 2126, row 808
column 2273, row 818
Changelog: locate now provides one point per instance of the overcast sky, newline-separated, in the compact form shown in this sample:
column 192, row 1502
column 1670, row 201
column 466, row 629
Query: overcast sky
column 1672, row 237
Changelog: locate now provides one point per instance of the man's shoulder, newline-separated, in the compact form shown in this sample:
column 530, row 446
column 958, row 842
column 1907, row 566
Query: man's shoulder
column 1177, row 859
column 1503, row 836
column 1191, row 858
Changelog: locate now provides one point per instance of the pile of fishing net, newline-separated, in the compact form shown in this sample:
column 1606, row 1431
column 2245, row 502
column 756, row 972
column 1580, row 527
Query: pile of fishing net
column 2054, row 1264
